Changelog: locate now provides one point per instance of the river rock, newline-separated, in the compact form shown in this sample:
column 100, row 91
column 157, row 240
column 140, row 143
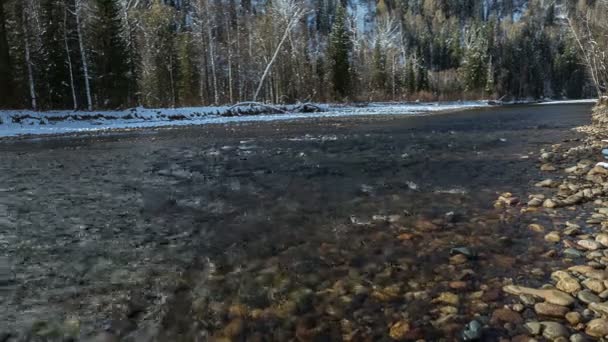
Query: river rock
column 597, row 328
column 589, row 272
column 590, row 245
column 549, row 295
column 602, row 239
column 573, row 253
column 533, row 327
column 550, row 204
column 578, row 338
column 553, row 237
column 569, row 285
column 594, row 285
column 472, row 331
column 588, row 297
column 547, row 167
column 573, row 317
column 553, row 330
column 601, row 308
column 504, row 315
column 547, row 183
column 551, row 310
column 535, row 227
column 399, row 331
column 448, row 298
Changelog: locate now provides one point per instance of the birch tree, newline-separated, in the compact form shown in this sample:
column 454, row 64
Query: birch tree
column 289, row 12
column 83, row 53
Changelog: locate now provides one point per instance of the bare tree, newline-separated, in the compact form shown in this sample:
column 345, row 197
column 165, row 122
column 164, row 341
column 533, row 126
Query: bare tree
column 289, row 12
column 589, row 28
column 83, row 53
column 68, row 57
column 28, row 60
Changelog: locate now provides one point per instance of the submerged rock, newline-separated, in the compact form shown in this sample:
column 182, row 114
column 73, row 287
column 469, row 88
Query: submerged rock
column 549, row 295
column 551, row 310
column 472, row 331
column 597, row 328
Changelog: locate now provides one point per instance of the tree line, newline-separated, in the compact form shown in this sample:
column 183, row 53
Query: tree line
column 106, row 54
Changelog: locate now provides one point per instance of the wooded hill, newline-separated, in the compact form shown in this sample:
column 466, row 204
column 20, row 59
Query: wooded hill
column 86, row 54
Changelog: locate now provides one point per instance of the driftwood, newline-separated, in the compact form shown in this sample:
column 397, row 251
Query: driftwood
column 256, row 104
column 302, row 108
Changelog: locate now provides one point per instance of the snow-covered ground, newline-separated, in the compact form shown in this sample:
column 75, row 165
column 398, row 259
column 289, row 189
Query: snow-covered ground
column 23, row 122
column 590, row 101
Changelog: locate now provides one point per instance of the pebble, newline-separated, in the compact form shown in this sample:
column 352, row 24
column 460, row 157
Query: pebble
column 588, row 297
column 533, row 327
column 569, row 285
column 536, row 228
column 549, row 203
column 602, row 239
column 589, row 244
column 553, row 330
column 553, row 237
column 547, row 167
column 547, row 183
column 578, row 338
column 597, row 328
column 472, row 331
column 594, row 285
column 573, row 317
column 573, row 253
column 549, row 295
column 504, row 315
column 601, row 308
column 448, row 298
column 551, row 310
column 399, row 331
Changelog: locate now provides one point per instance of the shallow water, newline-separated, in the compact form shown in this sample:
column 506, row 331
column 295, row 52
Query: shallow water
column 321, row 229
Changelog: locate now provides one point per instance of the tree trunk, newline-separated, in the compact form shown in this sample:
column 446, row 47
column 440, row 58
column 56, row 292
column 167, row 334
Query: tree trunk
column 216, row 97
column 83, row 54
column 6, row 86
column 28, row 60
column 290, row 24
column 69, row 59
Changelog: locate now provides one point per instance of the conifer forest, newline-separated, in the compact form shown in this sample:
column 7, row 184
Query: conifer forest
column 112, row 54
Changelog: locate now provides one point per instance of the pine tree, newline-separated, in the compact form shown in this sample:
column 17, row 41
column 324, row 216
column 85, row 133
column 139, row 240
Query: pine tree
column 410, row 77
column 187, row 77
column 340, row 46
column 111, row 60
column 379, row 76
column 6, row 81
column 51, row 59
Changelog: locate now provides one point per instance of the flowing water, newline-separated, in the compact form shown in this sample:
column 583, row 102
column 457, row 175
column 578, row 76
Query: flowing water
column 317, row 230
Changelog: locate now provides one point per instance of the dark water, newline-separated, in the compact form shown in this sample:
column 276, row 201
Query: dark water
column 267, row 231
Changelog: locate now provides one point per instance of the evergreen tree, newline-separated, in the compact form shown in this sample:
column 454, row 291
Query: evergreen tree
column 339, row 54
column 410, row 77
column 474, row 65
column 111, row 59
column 379, row 76
column 51, row 57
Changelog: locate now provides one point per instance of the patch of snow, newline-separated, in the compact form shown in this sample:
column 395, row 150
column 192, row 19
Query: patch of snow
column 24, row 122
column 590, row 101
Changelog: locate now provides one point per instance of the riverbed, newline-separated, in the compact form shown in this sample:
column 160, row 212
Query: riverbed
column 317, row 229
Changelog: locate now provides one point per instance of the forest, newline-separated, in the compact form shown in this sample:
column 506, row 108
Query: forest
column 109, row 54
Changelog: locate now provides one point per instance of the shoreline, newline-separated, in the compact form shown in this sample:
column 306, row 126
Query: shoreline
column 28, row 124
column 572, row 305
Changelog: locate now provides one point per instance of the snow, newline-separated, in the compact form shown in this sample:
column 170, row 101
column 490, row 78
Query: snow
column 589, row 101
column 25, row 122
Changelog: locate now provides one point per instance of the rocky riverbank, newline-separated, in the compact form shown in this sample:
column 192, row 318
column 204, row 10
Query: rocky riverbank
column 573, row 304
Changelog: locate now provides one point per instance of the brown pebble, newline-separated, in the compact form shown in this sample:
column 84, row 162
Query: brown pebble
column 506, row 316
